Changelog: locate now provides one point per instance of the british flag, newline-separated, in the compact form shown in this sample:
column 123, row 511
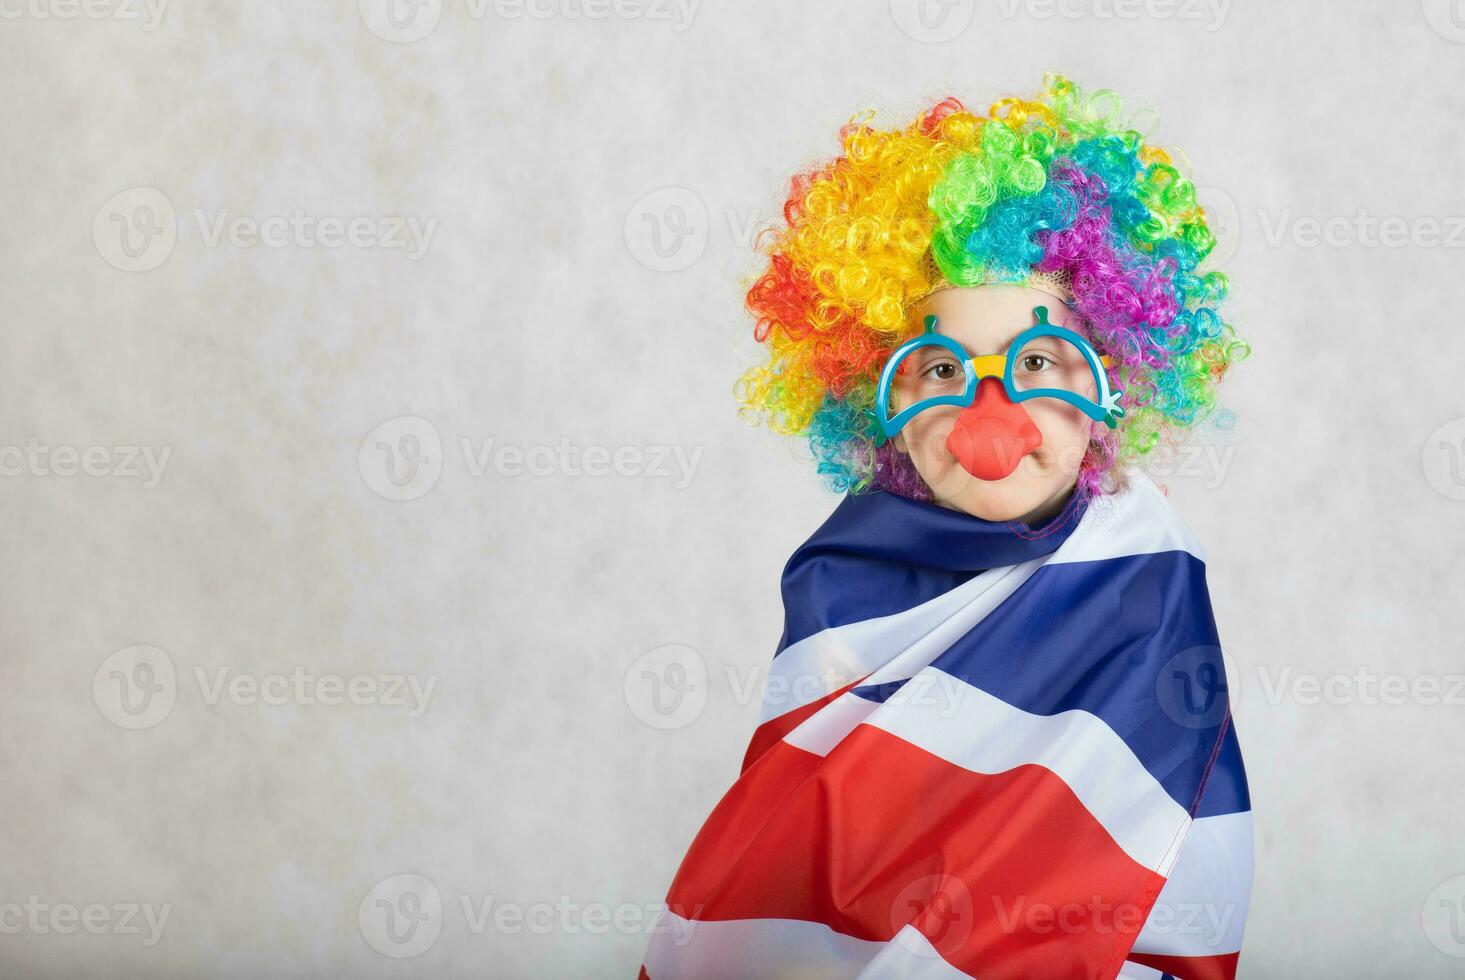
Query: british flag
column 986, row 752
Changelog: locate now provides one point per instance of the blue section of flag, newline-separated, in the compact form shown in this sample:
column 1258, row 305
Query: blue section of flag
column 1130, row 640
column 1226, row 790
column 879, row 554
column 1101, row 637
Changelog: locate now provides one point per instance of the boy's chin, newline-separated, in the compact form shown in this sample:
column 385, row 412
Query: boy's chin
column 1018, row 496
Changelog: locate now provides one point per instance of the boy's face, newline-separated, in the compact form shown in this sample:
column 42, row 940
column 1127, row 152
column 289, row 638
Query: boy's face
column 1026, row 456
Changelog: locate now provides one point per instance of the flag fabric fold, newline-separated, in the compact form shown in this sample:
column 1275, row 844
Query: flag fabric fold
column 984, row 751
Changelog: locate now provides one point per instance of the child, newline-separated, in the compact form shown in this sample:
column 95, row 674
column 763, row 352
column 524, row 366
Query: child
column 995, row 739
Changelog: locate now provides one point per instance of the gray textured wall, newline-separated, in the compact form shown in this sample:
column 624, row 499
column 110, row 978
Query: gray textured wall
column 204, row 544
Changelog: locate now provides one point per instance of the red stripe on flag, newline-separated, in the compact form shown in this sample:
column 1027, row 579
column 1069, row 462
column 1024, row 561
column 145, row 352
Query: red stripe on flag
column 1221, row 967
column 773, row 730
column 1007, row 875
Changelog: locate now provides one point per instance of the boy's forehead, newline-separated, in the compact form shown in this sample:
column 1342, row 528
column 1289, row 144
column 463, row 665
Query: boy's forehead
column 984, row 318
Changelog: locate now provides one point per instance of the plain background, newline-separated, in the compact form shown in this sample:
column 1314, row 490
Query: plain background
column 593, row 184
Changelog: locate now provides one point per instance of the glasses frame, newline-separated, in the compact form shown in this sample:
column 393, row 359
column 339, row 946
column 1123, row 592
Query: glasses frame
column 1106, row 409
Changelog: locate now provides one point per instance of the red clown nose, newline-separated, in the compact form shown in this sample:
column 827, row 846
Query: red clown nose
column 992, row 435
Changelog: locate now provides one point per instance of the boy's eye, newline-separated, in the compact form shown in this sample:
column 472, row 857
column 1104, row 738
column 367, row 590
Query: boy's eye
column 1035, row 362
column 942, row 371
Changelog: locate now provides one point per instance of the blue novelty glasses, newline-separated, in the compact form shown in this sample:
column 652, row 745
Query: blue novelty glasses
column 1045, row 361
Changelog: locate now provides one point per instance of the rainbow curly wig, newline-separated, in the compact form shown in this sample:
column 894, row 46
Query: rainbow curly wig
column 1055, row 184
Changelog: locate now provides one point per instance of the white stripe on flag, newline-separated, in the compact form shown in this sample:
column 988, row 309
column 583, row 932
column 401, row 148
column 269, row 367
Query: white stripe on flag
column 1201, row 910
column 1139, row 521
column 910, row 956
column 895, row 646
column 750, row 948
column 745, row 949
